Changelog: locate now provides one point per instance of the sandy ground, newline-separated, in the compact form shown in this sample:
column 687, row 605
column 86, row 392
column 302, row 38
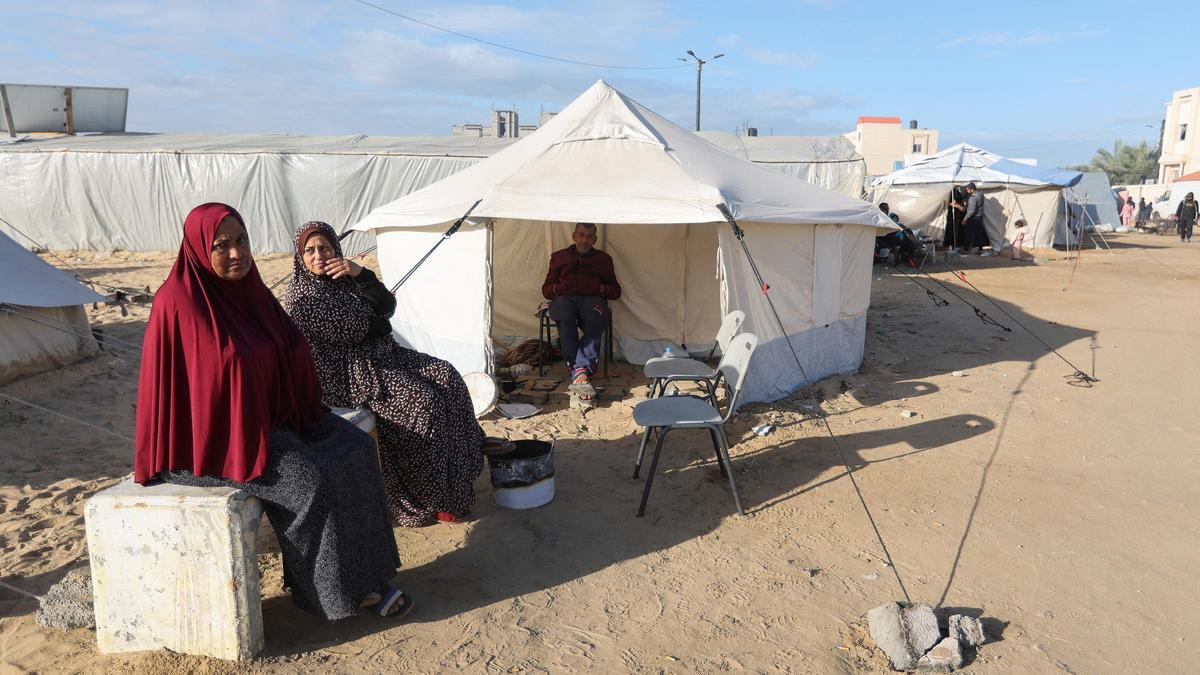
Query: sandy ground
column 1065, row 516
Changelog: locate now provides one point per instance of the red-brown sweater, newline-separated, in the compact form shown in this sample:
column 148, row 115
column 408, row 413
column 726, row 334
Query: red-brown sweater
column 574, row 274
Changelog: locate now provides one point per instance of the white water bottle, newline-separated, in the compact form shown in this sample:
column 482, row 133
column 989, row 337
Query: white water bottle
column 667, row 353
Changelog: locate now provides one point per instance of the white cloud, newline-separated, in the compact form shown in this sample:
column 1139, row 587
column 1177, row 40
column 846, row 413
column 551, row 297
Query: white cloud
column 1027, row 39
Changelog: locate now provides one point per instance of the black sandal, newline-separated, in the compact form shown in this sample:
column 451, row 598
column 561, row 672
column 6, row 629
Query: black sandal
column 388, row 596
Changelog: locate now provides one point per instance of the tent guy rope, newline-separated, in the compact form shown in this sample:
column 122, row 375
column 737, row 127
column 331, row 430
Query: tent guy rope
column 739, row 233
column 68, row 417
column 445, row 235
column 79, row 275
column 1076, row 379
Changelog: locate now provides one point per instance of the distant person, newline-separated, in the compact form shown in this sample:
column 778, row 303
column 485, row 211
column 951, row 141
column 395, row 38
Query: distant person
column 1018, row 240
column 1127, row 212
column 956, row 204
column 1185, row 216
column 1143, row 213
column 974, row 234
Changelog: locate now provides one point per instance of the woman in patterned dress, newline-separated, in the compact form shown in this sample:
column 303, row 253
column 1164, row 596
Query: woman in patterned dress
column 430, row 446
column 228, row 397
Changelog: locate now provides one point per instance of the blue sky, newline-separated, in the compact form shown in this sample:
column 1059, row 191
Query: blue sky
column 1052, row 81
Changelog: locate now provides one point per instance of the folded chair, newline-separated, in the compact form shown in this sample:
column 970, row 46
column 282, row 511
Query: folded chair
column 666, row 413
column 662, row 370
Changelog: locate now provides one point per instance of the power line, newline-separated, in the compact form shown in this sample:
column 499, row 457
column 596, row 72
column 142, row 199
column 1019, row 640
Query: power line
column 507, row 47
column 1075, row 139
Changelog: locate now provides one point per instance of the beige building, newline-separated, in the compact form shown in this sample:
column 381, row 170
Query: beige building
column 886, row 144
column 1180, row 149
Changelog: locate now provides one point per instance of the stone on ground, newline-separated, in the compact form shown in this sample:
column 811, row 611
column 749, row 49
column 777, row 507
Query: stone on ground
column 967, row 630
column 68, row 604
column 903, row 631
column 943, row 658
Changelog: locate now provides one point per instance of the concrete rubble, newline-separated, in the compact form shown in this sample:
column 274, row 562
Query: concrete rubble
column 68, row 604
column 944, row 657
column 909, row 634
column 903, row 631
column 967, row 630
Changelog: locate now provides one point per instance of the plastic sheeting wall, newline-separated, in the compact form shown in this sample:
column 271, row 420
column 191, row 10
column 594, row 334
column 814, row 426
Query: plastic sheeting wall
column 137, row 201
column 132, row 191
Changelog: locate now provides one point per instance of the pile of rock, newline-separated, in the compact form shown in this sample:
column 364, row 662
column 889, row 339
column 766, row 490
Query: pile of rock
column 910, row 636
column 68, row 604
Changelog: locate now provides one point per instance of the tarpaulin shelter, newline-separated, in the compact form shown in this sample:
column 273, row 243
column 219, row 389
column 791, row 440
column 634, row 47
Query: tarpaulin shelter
column 1093, row 195
column 653, row 189
column 919, row 195
column 42, row 322
column 132, row 191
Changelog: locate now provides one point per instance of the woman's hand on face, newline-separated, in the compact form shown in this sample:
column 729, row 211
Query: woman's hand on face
column 337, row 268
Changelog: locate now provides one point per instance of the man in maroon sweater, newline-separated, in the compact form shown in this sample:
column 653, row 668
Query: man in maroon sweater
column 578, row 285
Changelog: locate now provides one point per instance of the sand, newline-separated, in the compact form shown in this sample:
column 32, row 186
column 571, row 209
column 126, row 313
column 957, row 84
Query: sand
column 1065, row 516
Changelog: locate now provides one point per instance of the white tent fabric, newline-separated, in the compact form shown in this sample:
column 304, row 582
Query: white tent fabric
column 42, row 324
column 919, row 195
column 653, row 188
column 132, row 191
column 826, row 161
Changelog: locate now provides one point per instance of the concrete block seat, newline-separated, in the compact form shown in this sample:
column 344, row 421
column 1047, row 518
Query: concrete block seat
column 176, row 567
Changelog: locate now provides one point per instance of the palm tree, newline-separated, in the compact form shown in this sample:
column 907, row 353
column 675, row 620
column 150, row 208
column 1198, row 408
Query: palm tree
column 1125, row 164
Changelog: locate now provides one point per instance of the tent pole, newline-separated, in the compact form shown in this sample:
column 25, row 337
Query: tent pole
column 445, row 235
column 1083, row 208
column 739, row 233
column 489, row 348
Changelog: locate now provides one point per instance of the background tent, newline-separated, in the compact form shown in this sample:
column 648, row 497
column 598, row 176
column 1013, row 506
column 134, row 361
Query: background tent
column 132, row 191
column 1093, row 194
column 919, row 193
column 42, row 324
column 826, row 161
column 653, row 188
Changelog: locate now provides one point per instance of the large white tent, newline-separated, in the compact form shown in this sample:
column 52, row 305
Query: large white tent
column 131, row 191
column 919, row 194
column 42, row 324
column 653, row 188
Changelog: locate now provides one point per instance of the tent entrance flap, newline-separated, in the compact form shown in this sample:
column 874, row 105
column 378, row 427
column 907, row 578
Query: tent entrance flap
column 666, row 297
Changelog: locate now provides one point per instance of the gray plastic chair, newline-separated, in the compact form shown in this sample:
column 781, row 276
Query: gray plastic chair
column 666, row 413
column 662, row 370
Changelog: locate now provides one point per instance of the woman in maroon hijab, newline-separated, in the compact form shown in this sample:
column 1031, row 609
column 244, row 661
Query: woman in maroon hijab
column 228, row 396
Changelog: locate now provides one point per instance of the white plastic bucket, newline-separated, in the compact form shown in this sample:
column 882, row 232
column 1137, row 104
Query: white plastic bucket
column 523, row 478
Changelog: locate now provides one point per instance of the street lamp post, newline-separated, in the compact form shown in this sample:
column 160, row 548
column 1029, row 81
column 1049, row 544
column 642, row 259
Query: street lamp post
column 699, row 67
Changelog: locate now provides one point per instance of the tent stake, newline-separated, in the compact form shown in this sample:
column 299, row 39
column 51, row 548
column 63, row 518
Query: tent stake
column 445, row 235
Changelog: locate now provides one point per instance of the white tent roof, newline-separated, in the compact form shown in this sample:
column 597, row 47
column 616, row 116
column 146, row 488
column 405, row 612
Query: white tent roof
column 26, row 279
column 605, row 158
column 961, row 163
column 785, row 149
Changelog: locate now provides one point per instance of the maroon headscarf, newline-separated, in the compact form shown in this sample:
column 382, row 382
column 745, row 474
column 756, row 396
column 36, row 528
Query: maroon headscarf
column 222, row 367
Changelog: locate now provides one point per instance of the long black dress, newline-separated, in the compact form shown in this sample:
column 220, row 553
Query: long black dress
column 322, row 493
column 430, row 445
